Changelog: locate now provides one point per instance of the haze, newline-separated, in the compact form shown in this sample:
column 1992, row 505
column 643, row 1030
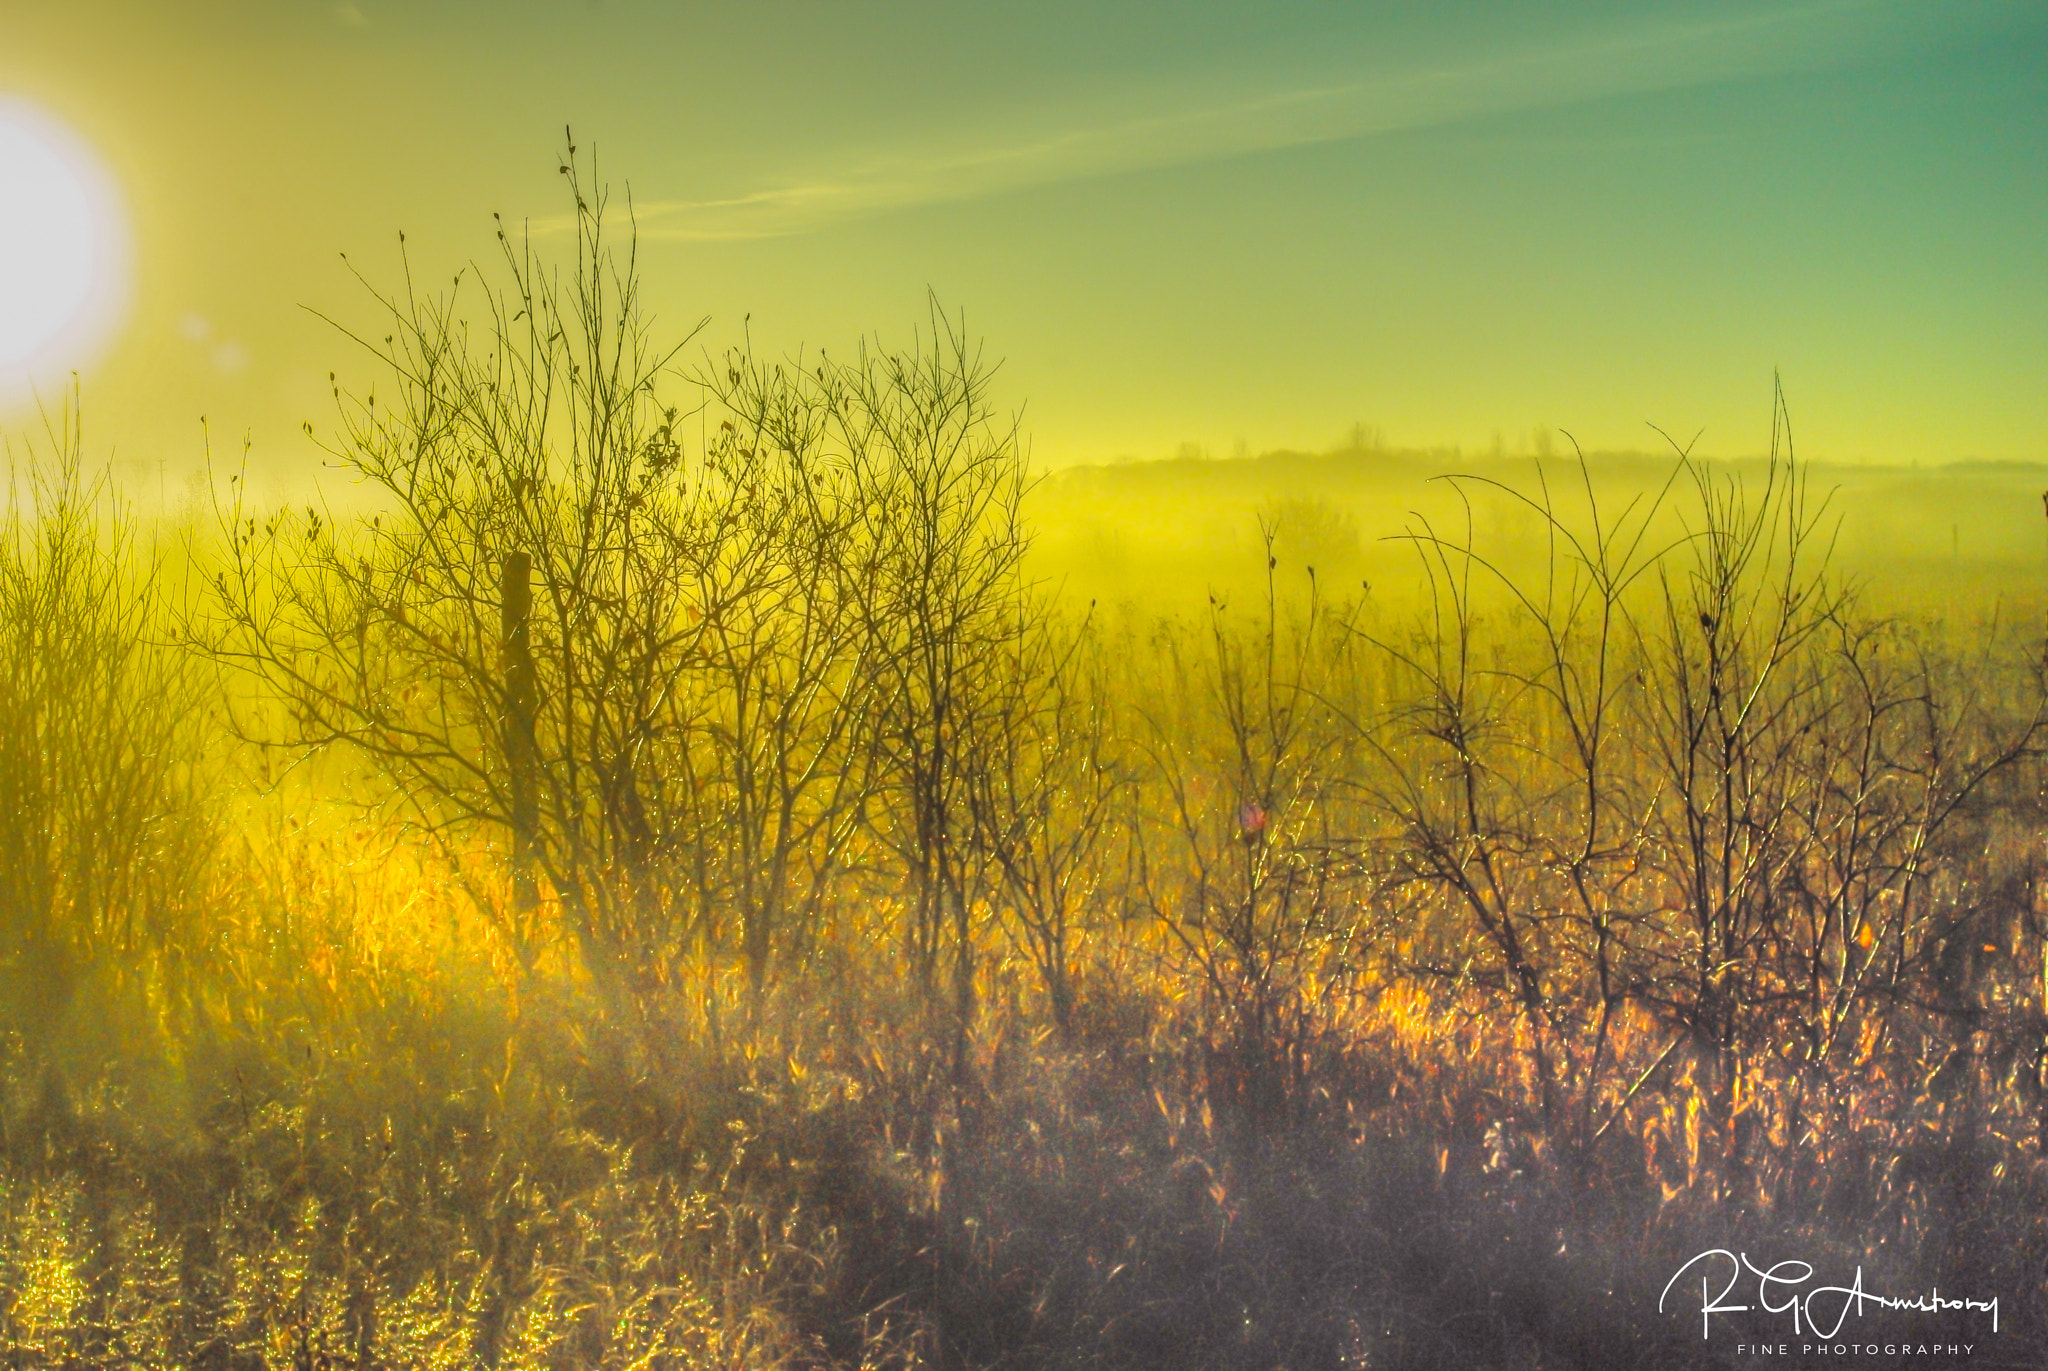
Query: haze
column 1186, row 228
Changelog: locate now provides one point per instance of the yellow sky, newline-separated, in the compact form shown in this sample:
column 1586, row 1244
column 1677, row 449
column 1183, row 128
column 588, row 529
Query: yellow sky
column 1456, row 223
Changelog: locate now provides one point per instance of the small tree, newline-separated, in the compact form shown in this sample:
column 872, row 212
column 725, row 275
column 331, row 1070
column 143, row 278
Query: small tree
column 790, row 669
column 1240, row 862
column 511, row 636
column 1048, row 778
column 1679, row 769
column 939, row 479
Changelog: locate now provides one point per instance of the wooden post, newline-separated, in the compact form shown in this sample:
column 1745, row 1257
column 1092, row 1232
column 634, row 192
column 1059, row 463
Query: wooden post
column 516, row 612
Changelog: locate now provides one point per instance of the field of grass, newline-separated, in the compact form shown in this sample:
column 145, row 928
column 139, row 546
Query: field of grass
column 714, row 866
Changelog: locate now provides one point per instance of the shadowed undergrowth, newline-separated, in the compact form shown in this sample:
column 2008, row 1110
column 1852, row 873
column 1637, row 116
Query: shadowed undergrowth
column 418, row 1171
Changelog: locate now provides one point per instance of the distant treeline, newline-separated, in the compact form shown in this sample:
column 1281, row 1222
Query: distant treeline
column 1153, row 531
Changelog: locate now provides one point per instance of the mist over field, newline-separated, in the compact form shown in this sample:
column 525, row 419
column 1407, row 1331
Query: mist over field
column 725, row 865
column 602, row 765
column 1161, row 534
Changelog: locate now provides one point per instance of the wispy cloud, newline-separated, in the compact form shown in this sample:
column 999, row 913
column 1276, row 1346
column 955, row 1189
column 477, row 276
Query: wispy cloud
column 1622, row 59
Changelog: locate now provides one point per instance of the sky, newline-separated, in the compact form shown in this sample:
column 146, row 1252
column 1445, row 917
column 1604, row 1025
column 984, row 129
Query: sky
column 1182, row 226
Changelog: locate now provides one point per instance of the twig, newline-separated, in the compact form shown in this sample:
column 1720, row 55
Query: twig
column 1641, row 1080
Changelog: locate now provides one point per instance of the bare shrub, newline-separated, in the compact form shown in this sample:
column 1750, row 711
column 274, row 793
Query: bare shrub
column 102, row 838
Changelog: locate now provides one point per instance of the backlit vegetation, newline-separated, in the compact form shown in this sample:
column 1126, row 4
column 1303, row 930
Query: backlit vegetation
column 665, row 882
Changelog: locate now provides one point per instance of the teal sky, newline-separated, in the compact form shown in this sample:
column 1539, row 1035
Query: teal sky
column 1220, row 225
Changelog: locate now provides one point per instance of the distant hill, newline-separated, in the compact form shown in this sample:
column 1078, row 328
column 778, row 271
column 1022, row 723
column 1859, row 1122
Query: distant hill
column 1165, row 533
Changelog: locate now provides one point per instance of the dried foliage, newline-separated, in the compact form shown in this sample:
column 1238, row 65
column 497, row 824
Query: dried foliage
column 729, row 915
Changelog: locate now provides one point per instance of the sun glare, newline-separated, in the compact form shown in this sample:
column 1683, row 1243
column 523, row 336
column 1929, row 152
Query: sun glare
column 62, row 250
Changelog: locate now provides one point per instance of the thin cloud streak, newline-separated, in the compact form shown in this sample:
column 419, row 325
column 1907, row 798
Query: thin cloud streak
column 1695, row 52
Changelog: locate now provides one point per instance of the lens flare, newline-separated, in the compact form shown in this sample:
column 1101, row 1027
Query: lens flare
column 63, row 251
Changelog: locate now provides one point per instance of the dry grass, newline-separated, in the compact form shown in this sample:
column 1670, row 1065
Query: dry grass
column 661, row 904
column 366, row 1145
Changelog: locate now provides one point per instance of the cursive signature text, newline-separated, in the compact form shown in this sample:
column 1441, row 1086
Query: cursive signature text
column 1781, row 1289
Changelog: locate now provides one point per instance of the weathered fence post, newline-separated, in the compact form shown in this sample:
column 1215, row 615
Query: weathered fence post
column 516, row 610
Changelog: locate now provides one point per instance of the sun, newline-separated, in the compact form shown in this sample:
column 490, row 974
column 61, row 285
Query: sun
column 62, row 250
